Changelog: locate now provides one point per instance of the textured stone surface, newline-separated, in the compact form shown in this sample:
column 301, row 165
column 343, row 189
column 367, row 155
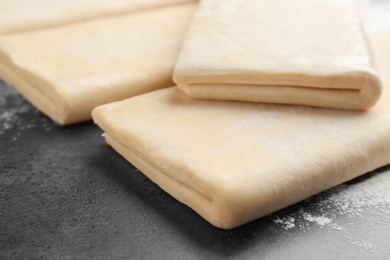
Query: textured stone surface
column 65, row 194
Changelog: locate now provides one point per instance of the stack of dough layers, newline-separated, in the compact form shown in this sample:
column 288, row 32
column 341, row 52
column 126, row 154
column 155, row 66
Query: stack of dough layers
column 233, row 162
column 306, row 52
column 67, row 71
column 22, row 15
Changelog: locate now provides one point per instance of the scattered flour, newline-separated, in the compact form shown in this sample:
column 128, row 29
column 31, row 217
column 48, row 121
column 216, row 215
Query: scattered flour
column 320, row 220
column 286, row 223
column 13, row 111
column 10, row 118
column 368, row 195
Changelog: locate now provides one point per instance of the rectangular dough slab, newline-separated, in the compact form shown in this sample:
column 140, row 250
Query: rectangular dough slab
column 23, row 15
column 305, row 52
column 233, row 162
column 67, row 71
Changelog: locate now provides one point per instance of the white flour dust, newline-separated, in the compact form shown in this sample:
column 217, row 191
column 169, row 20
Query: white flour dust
column 286, row 223
column 12, row 107
column 11, row 118
column 369, row 197
column 13, row 111
column 319, row 220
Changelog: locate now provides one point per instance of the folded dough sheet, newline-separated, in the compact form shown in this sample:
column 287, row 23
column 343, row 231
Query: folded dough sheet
column 305, row 52
column 22, row 15
column 233, row 162
column 69, row 70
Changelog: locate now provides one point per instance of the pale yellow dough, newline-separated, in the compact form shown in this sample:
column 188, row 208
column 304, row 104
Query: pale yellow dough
column 233, row 162
column 306, row 52
column 22, row 15
column 69, row 70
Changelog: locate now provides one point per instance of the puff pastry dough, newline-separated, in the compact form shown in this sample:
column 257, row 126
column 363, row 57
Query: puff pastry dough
column 233, row 162
column 22, row 15
column 306, row 52
column 69, row 70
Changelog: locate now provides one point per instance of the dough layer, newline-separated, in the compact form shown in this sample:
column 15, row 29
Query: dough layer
column 67, row 71
column 24, row 15
column 233, row 162
column 306, row 52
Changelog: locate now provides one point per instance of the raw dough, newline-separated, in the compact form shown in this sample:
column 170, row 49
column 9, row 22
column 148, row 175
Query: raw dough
column 306, row 52
column 69, row 70
column 233, row 162
column 22, row 15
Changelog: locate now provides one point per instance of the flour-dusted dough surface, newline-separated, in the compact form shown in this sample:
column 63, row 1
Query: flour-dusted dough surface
column 233, row 162
column 22, row 15
column 68, row 71
column 306, row 52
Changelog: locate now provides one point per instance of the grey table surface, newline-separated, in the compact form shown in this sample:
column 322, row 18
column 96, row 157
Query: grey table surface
column 65, row 194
